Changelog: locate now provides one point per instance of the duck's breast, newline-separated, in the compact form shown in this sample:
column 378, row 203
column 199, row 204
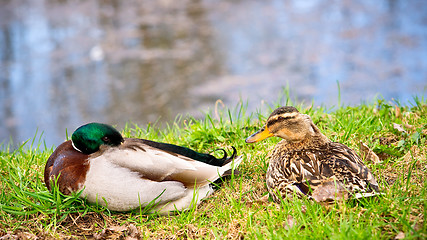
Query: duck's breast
column 70, row 165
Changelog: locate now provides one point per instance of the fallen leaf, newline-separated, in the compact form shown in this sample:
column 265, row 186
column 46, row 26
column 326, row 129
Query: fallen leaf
column 130, row 231
column 303, row 209
column 375, row 110
column 133, row 232
column 8, row 236
column 368, row 154
column 398, row 127
column 290, row 222
column 100, row 235
column 329, row 191
column 26, row 235
column 263, row 199
column 397, row 111
column 400, row 235
column 117, row 228
column 417, row 226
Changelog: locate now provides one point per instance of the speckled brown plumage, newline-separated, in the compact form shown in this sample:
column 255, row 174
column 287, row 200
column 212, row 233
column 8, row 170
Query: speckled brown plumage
column 306, row 162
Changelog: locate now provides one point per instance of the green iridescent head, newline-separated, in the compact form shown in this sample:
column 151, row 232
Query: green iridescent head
column 88, row 138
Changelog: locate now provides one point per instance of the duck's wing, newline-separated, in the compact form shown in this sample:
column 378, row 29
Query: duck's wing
column 159, row 165
column 292, row 171
column 327, row 172
column 348, row 167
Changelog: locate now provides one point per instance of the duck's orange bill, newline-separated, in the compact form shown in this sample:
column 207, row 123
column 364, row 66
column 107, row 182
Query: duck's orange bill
column 262, row 134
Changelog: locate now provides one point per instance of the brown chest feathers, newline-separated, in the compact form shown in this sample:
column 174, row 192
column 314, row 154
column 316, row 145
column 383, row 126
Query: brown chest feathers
column 71, row 167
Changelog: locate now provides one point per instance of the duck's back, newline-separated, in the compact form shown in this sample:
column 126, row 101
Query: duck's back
column 345, row 165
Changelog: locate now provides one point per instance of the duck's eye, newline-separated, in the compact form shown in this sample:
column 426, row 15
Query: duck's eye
column 281, row 118
column 106, row 139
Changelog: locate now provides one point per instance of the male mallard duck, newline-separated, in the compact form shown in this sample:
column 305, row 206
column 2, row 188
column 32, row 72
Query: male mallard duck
column 125, row 173
column 308, row 163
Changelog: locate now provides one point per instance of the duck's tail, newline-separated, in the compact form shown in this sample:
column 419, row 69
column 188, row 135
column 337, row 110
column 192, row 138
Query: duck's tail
column 230, row 167
column 226, row 159
column 201, row 157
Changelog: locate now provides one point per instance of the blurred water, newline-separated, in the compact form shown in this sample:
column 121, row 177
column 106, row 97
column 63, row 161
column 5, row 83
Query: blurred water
column 68, row 62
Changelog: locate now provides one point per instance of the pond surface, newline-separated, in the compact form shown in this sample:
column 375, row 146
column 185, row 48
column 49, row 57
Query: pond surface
column 67, row 62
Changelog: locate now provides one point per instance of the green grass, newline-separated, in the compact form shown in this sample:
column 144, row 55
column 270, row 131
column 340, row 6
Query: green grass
column 27, row 209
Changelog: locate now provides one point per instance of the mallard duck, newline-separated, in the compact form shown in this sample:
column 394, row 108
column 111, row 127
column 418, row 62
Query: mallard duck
column 307, row 163
column 126, row 173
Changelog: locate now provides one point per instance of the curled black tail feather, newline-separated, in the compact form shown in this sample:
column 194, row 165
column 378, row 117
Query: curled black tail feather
column 233, row 155
column 224, row 160
column 202, row 157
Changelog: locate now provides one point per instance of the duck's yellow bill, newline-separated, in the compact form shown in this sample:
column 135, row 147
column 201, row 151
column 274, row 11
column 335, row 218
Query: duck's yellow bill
column 262, row 134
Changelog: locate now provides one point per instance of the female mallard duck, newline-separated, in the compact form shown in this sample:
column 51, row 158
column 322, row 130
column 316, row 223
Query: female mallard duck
column 126, row 173
column 308, row 163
